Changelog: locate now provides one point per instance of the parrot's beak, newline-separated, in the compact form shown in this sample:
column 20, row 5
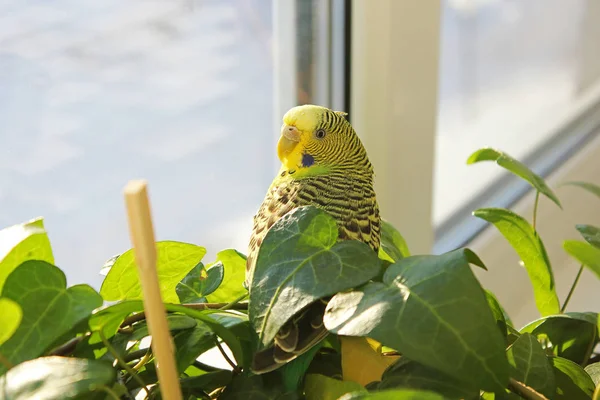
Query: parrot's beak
column 290, row 137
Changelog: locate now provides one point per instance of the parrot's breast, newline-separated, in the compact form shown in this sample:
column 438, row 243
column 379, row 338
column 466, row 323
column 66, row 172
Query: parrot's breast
column 349, row 199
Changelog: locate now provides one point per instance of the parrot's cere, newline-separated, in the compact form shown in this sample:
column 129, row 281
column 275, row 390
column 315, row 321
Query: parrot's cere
column 324, row 164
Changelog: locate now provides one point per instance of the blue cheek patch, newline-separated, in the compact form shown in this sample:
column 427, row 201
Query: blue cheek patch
column 307, row 160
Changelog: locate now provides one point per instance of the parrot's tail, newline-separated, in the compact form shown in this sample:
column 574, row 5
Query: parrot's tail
column 297, row 336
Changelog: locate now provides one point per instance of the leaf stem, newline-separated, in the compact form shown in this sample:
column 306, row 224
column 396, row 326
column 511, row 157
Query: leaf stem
column 590, row 350
column 144, row 359
column 205, row 367
column 596, row 395
column 524, row 391
column 4, row 361
column 234, row 302
column 134, row 355
column 122, row 362
column 236, row 369
column 564, row 307
column 535, row 209
column 195, row 306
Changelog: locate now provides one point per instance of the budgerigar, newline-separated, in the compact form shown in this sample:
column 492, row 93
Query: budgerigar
column 324, row 164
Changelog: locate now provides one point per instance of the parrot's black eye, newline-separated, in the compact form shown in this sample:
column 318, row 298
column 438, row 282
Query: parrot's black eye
column 320, row 133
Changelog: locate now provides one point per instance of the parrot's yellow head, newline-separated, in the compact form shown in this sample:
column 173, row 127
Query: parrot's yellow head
column 316, row 140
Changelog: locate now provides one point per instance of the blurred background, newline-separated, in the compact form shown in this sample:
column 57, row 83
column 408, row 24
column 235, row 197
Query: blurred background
column 189, row 94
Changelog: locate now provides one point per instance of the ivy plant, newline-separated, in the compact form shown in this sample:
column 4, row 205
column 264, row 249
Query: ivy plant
column 427, row 327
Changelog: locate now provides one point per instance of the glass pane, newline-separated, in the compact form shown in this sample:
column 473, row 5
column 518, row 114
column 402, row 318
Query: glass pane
column 97, row 93
column 321, row 52
column 510, row 72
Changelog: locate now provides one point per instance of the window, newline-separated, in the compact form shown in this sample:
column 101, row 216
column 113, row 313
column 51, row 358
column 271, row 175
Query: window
column 97, row 93
column 187, row 94
column 512, row 74
column 314, row 34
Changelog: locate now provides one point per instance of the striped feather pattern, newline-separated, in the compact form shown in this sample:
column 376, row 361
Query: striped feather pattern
column 346, row 193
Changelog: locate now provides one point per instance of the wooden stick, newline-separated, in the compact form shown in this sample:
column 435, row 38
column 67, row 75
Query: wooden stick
column 141, row 232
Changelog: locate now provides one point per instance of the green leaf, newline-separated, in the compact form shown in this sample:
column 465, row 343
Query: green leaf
column 109, row 318
column 236, row 322
column 241, row 329
column 149, row 375
column 79, row 328
column 206, row 383
column 393, row 246
column 108, row 264
column 571, row 335
column 319, row 266
column 175, row 323
column 432, row 310
column 20, row 243
column 49, row 308
column 399, row 394
column 506, row 395
column 530, row 365
column 228, row 335
column 590, row 233
column 256, row 387
column 191, row 343
column 504, row 313
column 513, row 335
column 199, row 283
column 234, row 273
column 55, row 378
column 593, row 371
column 118, row 388
column 174, row 261
column 328, row 364
column 590, row 187
column 498, row 312
column 320, row 387
column 516, row 167
column 293, row 373
column 589, row 317
column 10, row 318
column 530, row 248
column 585, row 253
column 409, row 374
column 572, row 382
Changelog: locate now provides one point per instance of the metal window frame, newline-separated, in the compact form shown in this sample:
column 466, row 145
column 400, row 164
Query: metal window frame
column 326, row 48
